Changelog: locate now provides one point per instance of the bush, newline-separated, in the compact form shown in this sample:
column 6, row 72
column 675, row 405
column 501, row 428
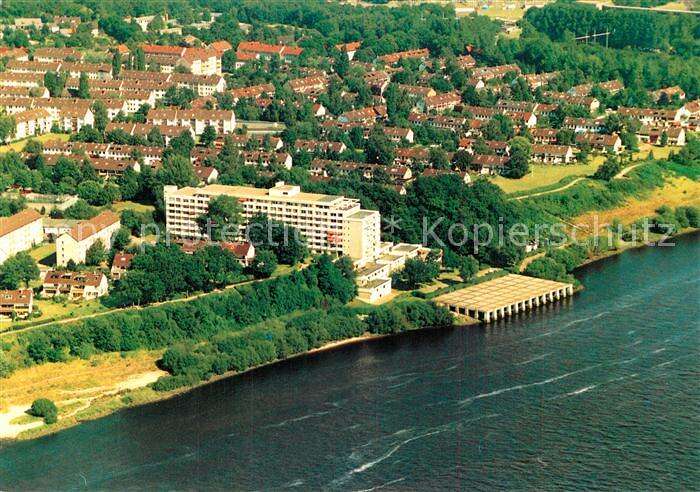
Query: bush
column 43, row 407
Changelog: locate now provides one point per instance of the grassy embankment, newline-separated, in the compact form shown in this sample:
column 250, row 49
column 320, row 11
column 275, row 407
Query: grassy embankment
column 18, row 146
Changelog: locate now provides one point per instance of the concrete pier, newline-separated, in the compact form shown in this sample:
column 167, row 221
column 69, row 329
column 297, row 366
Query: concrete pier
column 504, row 296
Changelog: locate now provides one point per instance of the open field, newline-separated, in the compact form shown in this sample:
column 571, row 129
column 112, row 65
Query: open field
column 677, row 192
column 81, row 389
column 19, row 145
column 542, row 175
column 136, row 207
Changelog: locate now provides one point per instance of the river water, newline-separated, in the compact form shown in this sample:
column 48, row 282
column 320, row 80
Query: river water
column 600, row 391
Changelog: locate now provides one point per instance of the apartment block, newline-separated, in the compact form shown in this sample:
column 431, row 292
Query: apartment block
column 74, row 244
column 20, row 232
column 330, row 224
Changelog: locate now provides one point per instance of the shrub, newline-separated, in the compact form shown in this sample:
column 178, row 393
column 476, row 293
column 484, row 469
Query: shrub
column 43, row 407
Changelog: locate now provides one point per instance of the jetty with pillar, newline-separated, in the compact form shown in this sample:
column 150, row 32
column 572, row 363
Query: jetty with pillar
column 504, row 296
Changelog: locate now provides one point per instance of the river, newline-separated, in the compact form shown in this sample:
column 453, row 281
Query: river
column 600, row 391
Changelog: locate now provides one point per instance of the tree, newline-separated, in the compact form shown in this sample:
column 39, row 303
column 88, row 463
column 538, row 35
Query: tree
column 83, row 86
column 221, row 221
column 264, row 264
column 379, row 148
column 415, row 273
column 7, row 127
column 288, row 244
column 121, row 239
column 18, row 269
column 341, row 63
column 663, row 139
column 468, row 267
column 609, row 169
column 55, row 83
column 99, row 110
column 208, row 136
column 45, row 408
column 156, row 24
column 116, row 64
column 500, row 127
column 177, row 170
column 155, row 137
column 336, row 280
column 518, row 163
column 182, row 144
column 438, row 159
column 96, row 253
column 463, row 160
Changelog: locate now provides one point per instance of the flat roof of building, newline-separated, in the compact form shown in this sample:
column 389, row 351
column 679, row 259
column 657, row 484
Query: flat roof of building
column 369, row 269
column 362, row 214
column 256, row 193
column 373, row 284
column 500, row 292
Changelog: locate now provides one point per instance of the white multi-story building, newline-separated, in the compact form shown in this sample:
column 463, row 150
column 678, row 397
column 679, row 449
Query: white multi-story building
column 330, row 224
column 20, row 232
column 73, row 245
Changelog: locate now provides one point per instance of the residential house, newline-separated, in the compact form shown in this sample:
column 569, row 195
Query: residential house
column 392, row 58
column 74, row 285
column 366, row 115
column 16, row 304
column 398, row 135
column 675, row 135
column 349, row 48
column 553, row 154
column 600, row 142
column 32, row 122
column 120, row 264
column 584, row 125
column 443, row 102
column 74, row 244
column 264, row 51
column 223, row 121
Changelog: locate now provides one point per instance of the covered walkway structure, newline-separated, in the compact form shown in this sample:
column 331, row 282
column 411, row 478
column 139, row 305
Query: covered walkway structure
column 504, row 296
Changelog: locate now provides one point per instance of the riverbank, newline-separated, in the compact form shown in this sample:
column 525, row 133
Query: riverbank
column 87, row 390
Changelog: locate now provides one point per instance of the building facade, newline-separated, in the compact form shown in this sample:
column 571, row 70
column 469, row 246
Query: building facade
column 330, row 224
column 20, row 232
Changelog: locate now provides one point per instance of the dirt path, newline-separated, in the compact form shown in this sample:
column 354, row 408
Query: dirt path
column 622, row 173
column 561, row 188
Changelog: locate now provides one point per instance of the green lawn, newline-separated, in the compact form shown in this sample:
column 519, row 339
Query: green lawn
column 19, row 144
column 52, row 311
column 136, row 207
column 542, row 175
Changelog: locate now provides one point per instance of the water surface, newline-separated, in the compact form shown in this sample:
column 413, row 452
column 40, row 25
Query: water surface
column 600, row 391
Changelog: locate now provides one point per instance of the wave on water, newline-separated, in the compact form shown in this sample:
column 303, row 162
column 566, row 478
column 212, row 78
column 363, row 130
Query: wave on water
column 298, row 419
column 397, row 446
column 526, row 385
column 534, row 359
column 575, row 392
column 390, row 482
column 294, row 483
column 567, row 325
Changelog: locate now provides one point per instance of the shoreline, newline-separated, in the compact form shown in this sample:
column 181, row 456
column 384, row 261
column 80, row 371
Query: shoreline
column 28, row 431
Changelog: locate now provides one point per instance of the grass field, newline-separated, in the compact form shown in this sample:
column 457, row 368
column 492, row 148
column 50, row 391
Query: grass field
column 43, row 251
column 19, row 145
column 136, row 207
column 679, row 191
column 542, row 175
